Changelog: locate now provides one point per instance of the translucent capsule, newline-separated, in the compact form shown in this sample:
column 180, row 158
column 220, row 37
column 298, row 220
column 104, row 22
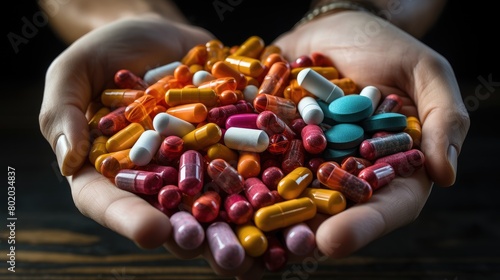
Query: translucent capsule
column 404, row 163
column 219, row 115
column 299, row 239
column 246, row 65
column 196, row 55
column 318, row 85
column 170, row 150
column 202, row 137
column 278, row 144
column 168, row 174
column 275, row 80
column 285, row 213
column 140, row 108
column 187, row 231
column 313, row 139
column 155, row 74
column 222, row 69
column 294, row 156
column 295, row 92
column 169, row 196
column 272, row 124
column 114, row 98
column 126, row 79
column 354, row 164
column 292, row 185
column 125, row 138
column 378, row 175
column 207, row 96
column 238, row 209
column 391, row 103
column 94, row 122
column 158, row 89
column 144, row 149
column 168, row 125
column 138, row 181
column 110, row 164
column 224, row 245
column 193, row 112
column 113, row 122
column 252, row 47
column 219, row 85
column 356, row 189
column 327, row 201
column 191, row 172
column 282, row 107
column 215, row 52
column 252, row 239
column 414, row 129
column 206, row 207
column 225, row 176
column 257, row 193
column 246, row 139
column 374, row 148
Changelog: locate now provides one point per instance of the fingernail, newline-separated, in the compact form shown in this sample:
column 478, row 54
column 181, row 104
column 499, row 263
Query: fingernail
column 62, row 148
column 452, row 158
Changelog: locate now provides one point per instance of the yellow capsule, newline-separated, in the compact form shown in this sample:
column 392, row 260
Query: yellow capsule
column 268, row 50
column 292, row 185
column 193, row 112
column 329, row 73
column 207, row 96
column 414, row 129
column 252, row 47
column 252, row 81
column 248, row 164
column 100, row 159
column 247, row 66
column 125, row 138
column 202, row 137
column 346, row 84
column 98, row 148
column 285, row 213
column 327, row 201
column 115, row 98
column 295, row 92
column 94, row 121
column 252, row 239
column 219, row 150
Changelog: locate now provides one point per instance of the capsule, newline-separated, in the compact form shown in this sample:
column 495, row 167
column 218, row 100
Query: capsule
column 169, row 196
column 114, row 98
column 138, row 181
column 168, row 174
column 252, row 239
column 356, row 189
column 201, row 77
column 278, row 144
column 321, row 60
column 275, row 80
column 271, row 176
column 244, row 120
column 230, row 97
column 126, row 79
column 155, row 74
column 219, row 85
column 94, row 122
column 219, row 115
column 247, row 66
column 295, row 92
column 202, row 137
column 329, row 73
column 246, row 139
column 275, row 257
column 272, row 124
column 225, row 176
column 183, row 74
column 285, row 213
column 238, row 209
column 224, row 245
column 168, row 125
column 378, row 175
column 215, row 52
column 248, row 164
column 193, row 112
column 292, row 185
column 299, row 239
column 187, row 231
column 252, row 47
column 206, row 207
column 257, row 193
column 294, row 156
column 318, row 85
column 170, row 150
column 196, row 55
column 110, row 164
column 302, row 61
column 221, row 151
column 391, row 103
column 404, row 163
column 282, row 107
column 354, row 165
column 158, row 89
column 191, row 172
column 327, row 201
column 374, row 94
column 98, row 148
column 113, row 122
column 268, row 50
column 347, row 85
column 414, row 129
column 144, row 149
column 314, row 163
column 222, row 69
column 207, row 96
column 313, row 139
column 374, row 148
column 125, row 138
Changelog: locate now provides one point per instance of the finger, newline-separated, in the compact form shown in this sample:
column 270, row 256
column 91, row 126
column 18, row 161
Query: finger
column 390, row 207
column 121, row 211
column 445, row 121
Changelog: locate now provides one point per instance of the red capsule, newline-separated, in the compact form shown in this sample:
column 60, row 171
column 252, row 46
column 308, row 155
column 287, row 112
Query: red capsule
column 282, row 107
column 313, row 138
column 113, row 122
column 138, row 181
column 219, row 115
column 275, row 257
column 271, row 176
column 404, row 163
column 272, row 124
column 302, row 61
column 378, row 175
column 239, row 210
column 257, row 193
column 297, row 125
column 225, row 176
column 374, row 148
column 278, row 144
column 321, row 60
column 314, row 163
column 169, row 196
column 354, row 165
column 294, row 157
column 391, row 103
column 170, row 150
column 191, row 172
column 169, row 174
column 126, row 79
column 206, row 207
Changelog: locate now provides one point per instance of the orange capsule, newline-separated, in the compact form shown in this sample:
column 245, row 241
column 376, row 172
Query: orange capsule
column 215, row 52
column 98, row 148
column 195, row 68
column 329, row 73
column 321, row 60
column 268, row 50
column 175, row 97
column 183, row 74
column 229, row 97
column 252, row 47
column 346, row 84
column 156, row 110
column 275, row 80
column 248, row 164
column 112, row 163
column 114, row 98
column 295, row 92
column 273, row 58
column 248, row 66
column 196, row 55
column 220, row 84
column 192, row 112
column 252, row 81
column 158, row 90
column 140, row 108
column 222, row 69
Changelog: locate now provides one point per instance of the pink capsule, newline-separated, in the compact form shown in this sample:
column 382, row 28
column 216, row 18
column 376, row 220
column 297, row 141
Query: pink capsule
column 225, row 176
column 191, row 172
column 238, row 208
column 378, row 175
column 297, row 125
column 138, row 181
column 224, row 245
column 284, row 108
column 299, row 239
column 187, row 231
column 271, row 176
column 169, row 196
column 391, row 103
column 244, row 120
column 404, row 163
column 219, row 115
column 170, row 150
column 169, row 174
column 313, row 138
column 272, row 124
column 113, row 122
column 374, row 148
column 294, row 157
column 206, row 207
column 356, row 189
column 126, row 79
column 257, row 193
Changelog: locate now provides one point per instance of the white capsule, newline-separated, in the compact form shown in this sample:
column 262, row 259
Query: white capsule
column 374, row 94
column 202, row 76
column 250, row 92
column 246, row 139
column 145, row 148
column 318, row 85
column 310, row 111
column 168, row 125
column 155, row 74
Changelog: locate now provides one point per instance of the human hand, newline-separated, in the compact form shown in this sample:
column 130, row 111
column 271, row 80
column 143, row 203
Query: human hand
column 374, row 52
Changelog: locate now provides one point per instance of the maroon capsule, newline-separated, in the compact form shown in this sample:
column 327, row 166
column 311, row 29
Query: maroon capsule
column 126, row 79
column 278, row 144
column 138, row 181
column 271, row 176
column 404, row 163
column 225, row 176
column 377, row 147
column 239, row 210
column 257, row 193
column 206, row 207
column 113, row 122
column 170, row 150
column 244, row 120
column 191, row 172
column 302, row 61
column 297, row 125
column 275, row 257
column 277, row 196
column 314, row 163
column 170, row 196
column 378, row 175
column 168, row 174
column 354, row 164
column 294, row 157
column 391, row 103
column 313, row 139
column 272, row 124
column 219, row 115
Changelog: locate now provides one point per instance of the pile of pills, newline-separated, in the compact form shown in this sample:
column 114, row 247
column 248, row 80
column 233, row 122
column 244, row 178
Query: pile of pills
column 240, row 147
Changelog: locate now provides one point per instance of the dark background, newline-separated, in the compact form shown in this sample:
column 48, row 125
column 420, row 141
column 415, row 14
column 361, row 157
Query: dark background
column 457, row 233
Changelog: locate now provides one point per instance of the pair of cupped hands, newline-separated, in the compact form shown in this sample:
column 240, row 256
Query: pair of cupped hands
column 386, row 57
